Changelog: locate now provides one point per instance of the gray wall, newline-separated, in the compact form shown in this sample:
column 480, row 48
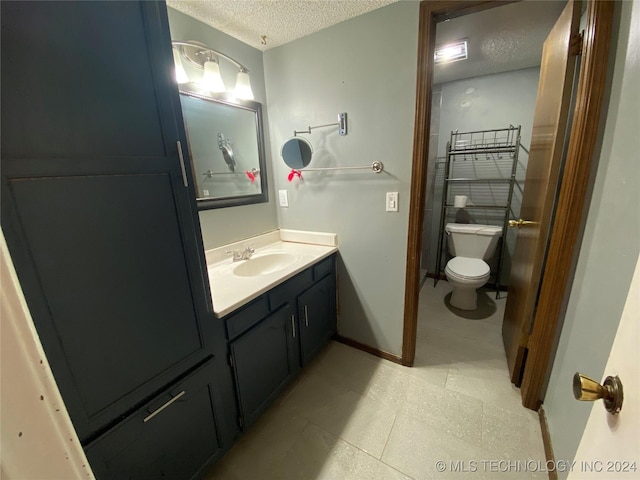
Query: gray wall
column 429, row 220
column 491, row 101
column 479, row 103
column 609, row 249
column 227, row 225
column 366, row 67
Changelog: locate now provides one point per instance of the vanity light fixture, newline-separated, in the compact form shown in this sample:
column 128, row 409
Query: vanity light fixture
column 451, row 52
column 207, row 59
column 181, row 74
column 243, row 86
column 211, row 79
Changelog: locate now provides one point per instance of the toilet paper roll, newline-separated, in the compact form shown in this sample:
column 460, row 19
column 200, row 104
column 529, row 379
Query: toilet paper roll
column 460, row 201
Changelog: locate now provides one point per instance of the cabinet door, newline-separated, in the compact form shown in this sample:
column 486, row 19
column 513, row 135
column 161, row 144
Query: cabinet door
column 102, row 230
column 263, row 362
column 174, row 436
column 317, row 314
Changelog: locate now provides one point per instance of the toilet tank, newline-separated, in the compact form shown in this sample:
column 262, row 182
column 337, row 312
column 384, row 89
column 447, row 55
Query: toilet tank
column 472, row 240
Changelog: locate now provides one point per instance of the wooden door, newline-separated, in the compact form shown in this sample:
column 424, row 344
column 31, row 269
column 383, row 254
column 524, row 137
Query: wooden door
column 541, row 183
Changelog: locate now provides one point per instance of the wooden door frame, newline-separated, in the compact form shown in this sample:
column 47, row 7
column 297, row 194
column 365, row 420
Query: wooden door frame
column 572, row 199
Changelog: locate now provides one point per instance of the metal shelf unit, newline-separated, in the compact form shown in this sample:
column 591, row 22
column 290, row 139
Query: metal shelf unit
column 479, row 146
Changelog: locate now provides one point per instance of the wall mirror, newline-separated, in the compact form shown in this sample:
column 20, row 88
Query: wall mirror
column 227, row 150
column 297, row 152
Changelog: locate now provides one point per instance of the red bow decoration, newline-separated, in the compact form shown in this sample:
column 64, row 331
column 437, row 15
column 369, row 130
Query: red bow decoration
column 293, row 173
column 251, row 176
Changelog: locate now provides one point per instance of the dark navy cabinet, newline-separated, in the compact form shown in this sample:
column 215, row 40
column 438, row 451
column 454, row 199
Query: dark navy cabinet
column 99, row 214
column 317, row 314
column 175, row 436
column 274, row 336
column 263, row 360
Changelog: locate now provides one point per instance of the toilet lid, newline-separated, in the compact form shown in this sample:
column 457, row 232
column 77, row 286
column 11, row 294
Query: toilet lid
column 468, row 267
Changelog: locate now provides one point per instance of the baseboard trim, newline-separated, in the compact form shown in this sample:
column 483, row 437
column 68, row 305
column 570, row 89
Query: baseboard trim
column 366, row 348
column 546, row 440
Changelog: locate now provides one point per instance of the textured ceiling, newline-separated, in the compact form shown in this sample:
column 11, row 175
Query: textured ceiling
column 499, row 39
column 504, row 38
column 281, row 21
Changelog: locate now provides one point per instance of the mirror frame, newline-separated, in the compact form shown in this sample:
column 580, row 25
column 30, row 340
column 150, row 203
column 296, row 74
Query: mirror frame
column 236, row 200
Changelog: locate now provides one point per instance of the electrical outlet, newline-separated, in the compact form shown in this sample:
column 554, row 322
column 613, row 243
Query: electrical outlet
column 392, row 201
column 283, row 198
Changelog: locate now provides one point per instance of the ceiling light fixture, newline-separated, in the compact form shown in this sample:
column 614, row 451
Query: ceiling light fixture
column 208, row 59
column 451, row 52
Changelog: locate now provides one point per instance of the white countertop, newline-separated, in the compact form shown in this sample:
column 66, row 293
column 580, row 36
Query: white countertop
column 230, row 291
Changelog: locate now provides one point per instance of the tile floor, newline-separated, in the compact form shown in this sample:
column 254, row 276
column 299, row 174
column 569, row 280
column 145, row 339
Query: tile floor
column 351, row 415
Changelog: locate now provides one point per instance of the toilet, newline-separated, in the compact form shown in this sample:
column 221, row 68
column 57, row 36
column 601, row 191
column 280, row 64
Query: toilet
column 471, row 245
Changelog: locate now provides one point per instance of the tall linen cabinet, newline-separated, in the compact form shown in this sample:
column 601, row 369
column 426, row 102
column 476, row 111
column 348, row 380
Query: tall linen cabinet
column 99, row 213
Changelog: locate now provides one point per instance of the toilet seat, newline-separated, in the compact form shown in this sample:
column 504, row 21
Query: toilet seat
column 466, row 268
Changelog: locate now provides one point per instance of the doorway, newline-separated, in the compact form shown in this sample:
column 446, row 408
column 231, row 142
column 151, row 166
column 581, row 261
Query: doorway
column 572, row 192
column 484, row 120
column 492, row 95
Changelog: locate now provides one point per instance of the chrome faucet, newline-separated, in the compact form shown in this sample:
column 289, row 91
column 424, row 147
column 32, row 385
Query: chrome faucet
column 239, row 255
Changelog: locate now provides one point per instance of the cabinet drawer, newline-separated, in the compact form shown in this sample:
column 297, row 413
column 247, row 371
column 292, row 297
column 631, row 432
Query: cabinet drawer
column 177, row 441
column 323, row 268
column 246, row 317
column 290, row 289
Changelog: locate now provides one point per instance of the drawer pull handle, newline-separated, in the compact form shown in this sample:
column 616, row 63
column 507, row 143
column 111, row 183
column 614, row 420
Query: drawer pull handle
column 293, row 325
column 306, row 316
column 158, row 410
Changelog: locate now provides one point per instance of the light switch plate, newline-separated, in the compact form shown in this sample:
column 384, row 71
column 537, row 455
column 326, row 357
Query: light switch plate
column 392, row 201
column 283, row 198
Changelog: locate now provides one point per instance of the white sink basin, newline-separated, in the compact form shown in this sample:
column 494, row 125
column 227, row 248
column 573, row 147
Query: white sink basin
column 264, row 264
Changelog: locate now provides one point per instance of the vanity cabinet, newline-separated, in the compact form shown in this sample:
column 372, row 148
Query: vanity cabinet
column 317, row 317
column 101, row 222
column 274, row 336
column 263, row 362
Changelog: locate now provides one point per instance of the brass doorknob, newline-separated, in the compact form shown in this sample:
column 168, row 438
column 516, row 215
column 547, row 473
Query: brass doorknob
column 588, row 390
column 520, row 223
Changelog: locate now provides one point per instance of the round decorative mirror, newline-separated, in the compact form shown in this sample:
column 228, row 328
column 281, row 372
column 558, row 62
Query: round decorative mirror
column 227, row 154
column 296, row 152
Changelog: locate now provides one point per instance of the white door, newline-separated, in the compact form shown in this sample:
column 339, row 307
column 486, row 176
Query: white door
column 610, row 444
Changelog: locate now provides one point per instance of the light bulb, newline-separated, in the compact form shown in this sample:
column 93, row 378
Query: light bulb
column 243, row 87
column 212, row 80
column 181, row 75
